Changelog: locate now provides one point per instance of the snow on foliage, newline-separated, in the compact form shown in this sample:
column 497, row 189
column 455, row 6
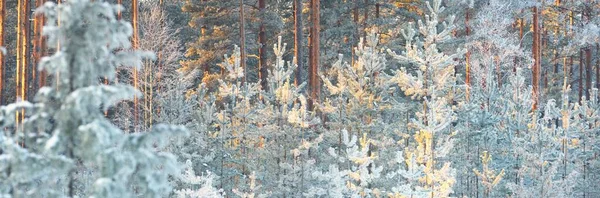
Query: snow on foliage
column 65, row 146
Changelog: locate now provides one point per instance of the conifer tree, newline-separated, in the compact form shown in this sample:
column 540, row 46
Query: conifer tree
column 493, row 51
column 353, row 180
column 434, row 82
column 66, row 147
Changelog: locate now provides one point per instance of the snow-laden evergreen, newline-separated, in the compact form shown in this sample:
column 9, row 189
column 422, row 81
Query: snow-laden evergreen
column 405, row 111
column 65, row 146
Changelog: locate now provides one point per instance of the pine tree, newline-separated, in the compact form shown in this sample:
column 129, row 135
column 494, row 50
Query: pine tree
column 488, row 176
column 493, row 52
column 360, row 98
column 358, row 176
column 66, row 147
column 434, row 82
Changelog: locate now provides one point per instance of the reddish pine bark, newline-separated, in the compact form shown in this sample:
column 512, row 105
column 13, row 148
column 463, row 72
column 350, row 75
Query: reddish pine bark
column 314, row 58
column 262, row 51
column 536, row 56
column 298, row 36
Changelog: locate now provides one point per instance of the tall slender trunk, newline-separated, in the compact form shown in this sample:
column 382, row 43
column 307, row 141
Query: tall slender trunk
column 365, row 19
column 298, row 36
column 598, row 66
column 119, row 13
column 314, row 62
column 262, row 51
column 134, row 23
column 105, row 81
column 557, row 32
column 569, row 69
column 135, row 41
column 580, row 81
column 243, row 41
column 467, row 57
column 567, row 33
column 57, row 74
column 354, row 11
column 22, row 52
column 537, row 58
column 38, row 49
column 555, row 52
column 147, row 69
column 44, row 51
column 588, row 72
column 377, row 5
column 119, row 17
column 544, row 42
column 541, row 34
column 356, row 33
column 2, row 61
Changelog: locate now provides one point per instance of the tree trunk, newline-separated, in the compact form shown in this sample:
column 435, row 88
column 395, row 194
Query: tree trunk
column 354, row 11
column 536, row 57
column 377, row 5
column 555, row 52
column 242, row 41
column 556, row 32
column 298, row 35
column 356, row 33
column 44, row 49
column 580, row 74
column 314, row 62
column 2, row 61
column 366, row 18
column 598, row 66
column 569, row 69
column 135, row 42
column 588, row 72
column 39, row 48
column 119, row 17
column 567, row 33
column 22, row 52
column 467, row 57
column 262, row 51
column 119, row 13
column 544, row 42
column 57, row 74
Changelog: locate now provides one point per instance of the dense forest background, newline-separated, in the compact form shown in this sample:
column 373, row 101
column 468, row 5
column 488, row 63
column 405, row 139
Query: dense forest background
column 299, row 98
